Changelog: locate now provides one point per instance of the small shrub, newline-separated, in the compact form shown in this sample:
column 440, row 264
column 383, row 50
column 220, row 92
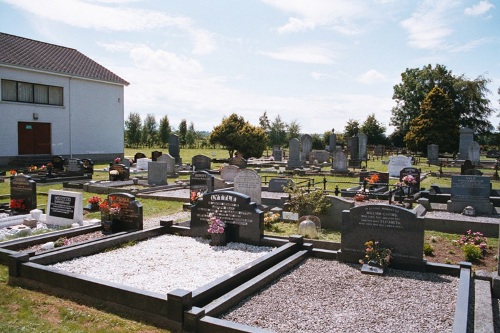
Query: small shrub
column 451, row 252
column 428, row 249
column 472, row 252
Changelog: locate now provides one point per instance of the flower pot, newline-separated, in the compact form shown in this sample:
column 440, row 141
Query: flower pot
column 218, row 239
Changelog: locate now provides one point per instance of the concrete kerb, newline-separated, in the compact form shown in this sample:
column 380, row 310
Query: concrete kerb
column 194, row 311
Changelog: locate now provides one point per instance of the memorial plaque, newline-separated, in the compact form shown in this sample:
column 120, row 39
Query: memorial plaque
column 64, row 208
column 142, row 163
column 200, row 182
column 244, row 221
column 201, row 162
column 393, row 227
column 23, row 189
column 250, row 183
column 279, row 184
column 131, row 215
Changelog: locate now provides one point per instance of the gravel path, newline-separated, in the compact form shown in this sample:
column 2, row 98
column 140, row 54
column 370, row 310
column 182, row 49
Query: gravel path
column 328, row 296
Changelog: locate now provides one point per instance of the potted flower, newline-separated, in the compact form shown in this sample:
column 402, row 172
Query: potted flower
column 114, row 175
column 216, row 230
column 376, row 255
column 110, row 216
column 94, row 202
column 17, row 205
column 270, row 218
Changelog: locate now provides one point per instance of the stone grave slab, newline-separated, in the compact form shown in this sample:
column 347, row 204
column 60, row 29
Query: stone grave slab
column 64, row 208
column 470, row 191
column 244, row 220
column 155, row 154
column 339, row 163
column 58, row 163
column 139, row 156
column 248, row 182
column 433, row 154
column 466, row 137
column 157, row 173
column 170, row 161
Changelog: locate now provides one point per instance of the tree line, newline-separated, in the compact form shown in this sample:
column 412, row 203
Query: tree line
column 432, row 104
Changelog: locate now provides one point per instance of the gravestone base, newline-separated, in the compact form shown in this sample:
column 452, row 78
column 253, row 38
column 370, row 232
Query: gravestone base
column 482, row 208
column 397, row 262
column 373, row 270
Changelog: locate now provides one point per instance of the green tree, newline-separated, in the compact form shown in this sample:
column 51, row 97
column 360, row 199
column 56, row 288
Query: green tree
column 293, row 131
column 182, row 132
column 351, row 128
column 264, row 121
column 149, row 131
column 133, row 130
column 191, row 136
column 164, row 131
column 236, row 134
column 374, row 130
column 469, row 103
column 277, row 132
column 436, row 117
column 317, row 142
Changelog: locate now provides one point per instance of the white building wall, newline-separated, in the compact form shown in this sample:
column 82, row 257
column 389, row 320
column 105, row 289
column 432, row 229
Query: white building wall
column 89, row 124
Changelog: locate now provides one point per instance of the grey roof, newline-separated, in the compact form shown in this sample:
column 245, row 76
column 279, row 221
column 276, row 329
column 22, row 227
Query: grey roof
column 28, row 53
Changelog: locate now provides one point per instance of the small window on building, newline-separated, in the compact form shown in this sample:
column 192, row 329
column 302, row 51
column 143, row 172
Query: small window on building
column 9, row 90
column 41, row 94
column 55, row 95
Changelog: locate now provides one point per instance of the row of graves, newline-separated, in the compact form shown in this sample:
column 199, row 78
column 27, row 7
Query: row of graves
column 199, row 310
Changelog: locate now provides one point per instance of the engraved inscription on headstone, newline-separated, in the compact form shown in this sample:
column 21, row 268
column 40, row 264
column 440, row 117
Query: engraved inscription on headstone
column 200, row 182
column 131, row 215
column 23, row 189
column 64, row 208
column 249, row 182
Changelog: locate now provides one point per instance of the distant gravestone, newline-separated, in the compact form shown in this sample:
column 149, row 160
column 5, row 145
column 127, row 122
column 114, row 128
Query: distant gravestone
column 131, row 215
column 238, row 161
column 433, row 154
column 492, row 153
column 74, row 167
column 466, row 137
column 142, row 163
column 201, row 162
column 319, row 156
column 415, row 173
column 353, row 148
column 279, row 184
column 64, row 208
column 23, row 189
column 339, row 164
column 393, row 227
column 244, row 220
column 173, row 148
column 465, row 167
column 362, row 146
column 379, row 150
column 249, row 183
column 58, row 163
column 306, row 146
column 88, row 165
column 119, row 172
column 138, row 156
column 155, row 154
column 228, row 172
column 474, row 152
column 170, row 162
column 332, row 141
column 398, row 163
column 200, row 182
column 470, row 191
column 294, row 155
column 157, row 173
column 277, row 153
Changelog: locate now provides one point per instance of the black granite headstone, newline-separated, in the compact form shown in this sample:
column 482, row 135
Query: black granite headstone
column 201, row 162
column 244, row 220
column 173, row 148
column 88, row 165
column 58, row 163
column 131, row 216
column 74, row 167
column 23, row 190
column 119, row 172
column 415, row 173
column 155, row 154
column 200, row 182
column 138, row 156
column 279, row 184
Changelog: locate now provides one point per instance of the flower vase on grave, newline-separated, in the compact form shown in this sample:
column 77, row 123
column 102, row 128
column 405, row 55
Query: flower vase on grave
column 107, row 227
column 218, row 239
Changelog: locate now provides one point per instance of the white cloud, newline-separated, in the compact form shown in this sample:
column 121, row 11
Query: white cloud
column 428, row 27
column 113, row 17
column 371, row 76
column 296, row 25
column 309, row 54
column 319, row 76
column 479, row 9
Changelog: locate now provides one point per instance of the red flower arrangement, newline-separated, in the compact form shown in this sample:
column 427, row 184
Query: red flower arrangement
column 95, row 200
column 17, row 204
column 110, row 211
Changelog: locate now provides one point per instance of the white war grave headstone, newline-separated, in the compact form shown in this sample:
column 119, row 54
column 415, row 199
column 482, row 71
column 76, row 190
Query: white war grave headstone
column 64, row 208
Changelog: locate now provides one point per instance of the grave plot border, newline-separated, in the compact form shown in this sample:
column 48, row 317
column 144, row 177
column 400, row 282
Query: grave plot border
column 192, row 311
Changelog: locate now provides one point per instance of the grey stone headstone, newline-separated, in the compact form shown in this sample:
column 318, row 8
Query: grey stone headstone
column 466, row 137
column 279, row 184
column 319, row 156
column 474, row 151
column 244, row 220
column 131, row 215
column 433, row 154
column 379, row 150
column 248, row 182
column 397, row 163
column 294, row 154
column 339, row 161
column 200, row 182
column 201, row 162
column 238, row 161
column 332, row 142
column 170, row 161
column 353, row 147
column 470, row 191
column 157, row 173
column 362, row 146
column 393, row 227
column 277, row 153
column 228, row 172
column 173, row 148
column 306, row 146
column 64, row 208
column 23, row 188
column 142, row 163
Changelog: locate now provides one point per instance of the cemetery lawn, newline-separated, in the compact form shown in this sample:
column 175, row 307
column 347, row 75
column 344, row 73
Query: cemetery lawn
column 24, row 310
